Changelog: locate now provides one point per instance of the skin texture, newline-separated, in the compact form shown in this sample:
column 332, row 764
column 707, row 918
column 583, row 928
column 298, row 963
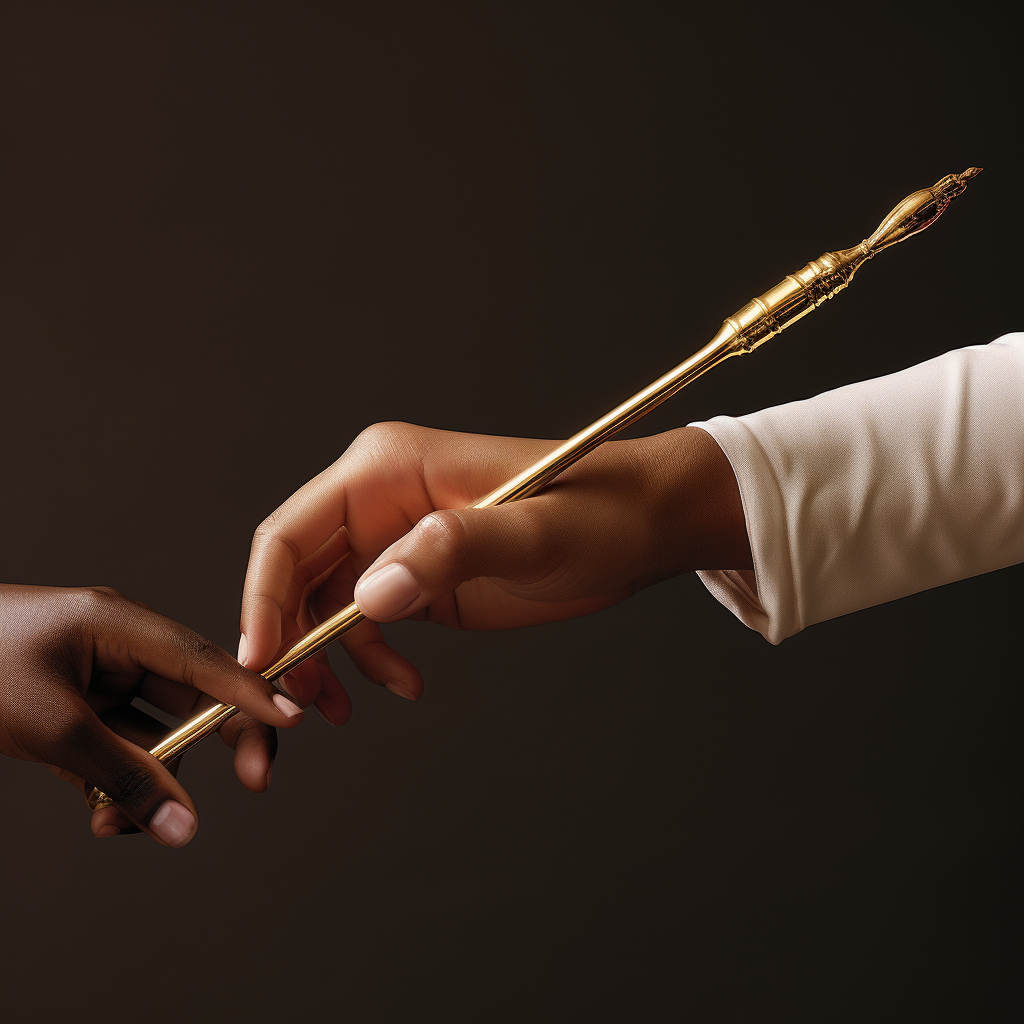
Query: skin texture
column 72, row 661
column 632, row 513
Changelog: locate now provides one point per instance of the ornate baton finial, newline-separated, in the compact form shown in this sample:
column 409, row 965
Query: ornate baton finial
column 771, row 313
column 918, row 211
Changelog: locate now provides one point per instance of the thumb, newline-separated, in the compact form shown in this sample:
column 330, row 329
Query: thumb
column 513, row 542
column 141, row 787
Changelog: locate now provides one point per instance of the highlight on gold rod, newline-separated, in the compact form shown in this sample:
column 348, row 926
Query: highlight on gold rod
column 747, row 329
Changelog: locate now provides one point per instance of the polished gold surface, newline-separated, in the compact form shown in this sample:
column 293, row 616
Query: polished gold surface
column 176, row 743
column 759, row 320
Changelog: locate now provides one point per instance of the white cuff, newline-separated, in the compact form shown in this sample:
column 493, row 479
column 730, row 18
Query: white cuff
column 878, row 490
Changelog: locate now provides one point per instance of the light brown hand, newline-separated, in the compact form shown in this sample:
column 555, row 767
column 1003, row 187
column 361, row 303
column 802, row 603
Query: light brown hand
column 628, row 515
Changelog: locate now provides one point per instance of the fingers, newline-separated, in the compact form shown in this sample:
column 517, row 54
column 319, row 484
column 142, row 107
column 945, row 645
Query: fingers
column 144, row 731
column 145, row 792
column 126, row 635
column 254, row 743
column 370, row 653
column 374, row 482
column 333, row 703
column 314, row 681
column 168, row 695
column 107, row 821
column 255, row 746
column 516, row 542
column 300, row 542
column 110, row 821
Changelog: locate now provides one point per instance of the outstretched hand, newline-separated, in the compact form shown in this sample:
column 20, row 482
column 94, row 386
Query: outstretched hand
column 388, row 523
column 72, row 661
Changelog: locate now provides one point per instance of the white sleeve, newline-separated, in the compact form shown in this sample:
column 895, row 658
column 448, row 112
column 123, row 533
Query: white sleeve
column 878, row 490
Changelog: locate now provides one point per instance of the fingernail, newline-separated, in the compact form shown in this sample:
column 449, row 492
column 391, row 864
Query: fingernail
column 285, row 706
column 108, row 830
column 173, row 823
column 387, row 592
column 401, row 691
column 270, row 773
column 328, row 715
column 243, row 649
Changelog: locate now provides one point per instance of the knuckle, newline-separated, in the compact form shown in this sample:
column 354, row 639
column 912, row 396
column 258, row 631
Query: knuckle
column 196, row 652
column 252, row 729
column 384, row 431
column 270, row 532
column 89, row 605
column 391, row 449
column 132, row 785
column 257, row 733
column 96, row 598
column 268, row 528
column 249, row 727
column 445, row 535
column 391, row 439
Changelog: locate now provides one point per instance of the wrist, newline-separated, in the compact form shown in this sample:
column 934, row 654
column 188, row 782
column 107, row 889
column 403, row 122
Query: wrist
column 694, row 502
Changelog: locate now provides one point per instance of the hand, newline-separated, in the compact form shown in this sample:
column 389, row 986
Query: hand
column 388, row 523
column 71, row 661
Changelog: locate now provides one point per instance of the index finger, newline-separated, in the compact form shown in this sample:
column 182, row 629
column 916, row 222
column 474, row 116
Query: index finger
column 276, row 582
column 127, row 635
column 290, row 549
column 306, row 536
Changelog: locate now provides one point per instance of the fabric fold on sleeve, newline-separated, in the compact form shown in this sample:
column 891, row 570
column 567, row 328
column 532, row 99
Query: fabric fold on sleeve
column 877, row 490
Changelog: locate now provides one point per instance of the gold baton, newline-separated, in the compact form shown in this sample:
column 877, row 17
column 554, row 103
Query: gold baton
column 759, row 320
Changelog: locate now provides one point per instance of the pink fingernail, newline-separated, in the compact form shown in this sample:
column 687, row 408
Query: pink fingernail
column 387, row 592
column 108, row 830
column 243, row 649
column 173, row 823
column 285, row 706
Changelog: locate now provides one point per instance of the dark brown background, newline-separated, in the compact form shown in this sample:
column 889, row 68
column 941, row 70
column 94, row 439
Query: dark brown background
column 237, row 234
